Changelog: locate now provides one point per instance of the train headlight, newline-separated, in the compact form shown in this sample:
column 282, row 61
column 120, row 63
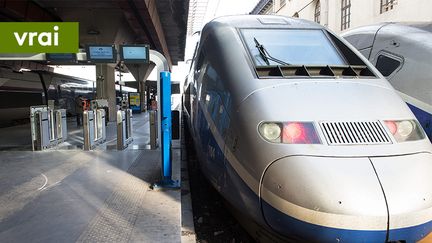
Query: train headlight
column 270, row 131
column 290, row 132
column 405, row 130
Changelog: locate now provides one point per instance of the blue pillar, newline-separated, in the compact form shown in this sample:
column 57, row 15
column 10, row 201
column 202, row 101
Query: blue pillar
column 166, row 127
column 165, row 79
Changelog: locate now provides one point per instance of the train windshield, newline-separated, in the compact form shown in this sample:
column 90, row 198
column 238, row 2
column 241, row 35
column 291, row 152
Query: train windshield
column 291, row 46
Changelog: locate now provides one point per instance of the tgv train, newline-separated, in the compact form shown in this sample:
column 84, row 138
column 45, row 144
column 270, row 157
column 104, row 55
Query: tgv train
column 20, row 90
column 303, row 137
column 402, row 53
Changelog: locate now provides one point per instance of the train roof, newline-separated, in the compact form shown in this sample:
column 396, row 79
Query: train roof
column 264, row 21
column 364, row 36
column 424, row 26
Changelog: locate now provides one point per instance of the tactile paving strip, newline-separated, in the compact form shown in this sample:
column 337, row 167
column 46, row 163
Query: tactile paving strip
column 115, row 221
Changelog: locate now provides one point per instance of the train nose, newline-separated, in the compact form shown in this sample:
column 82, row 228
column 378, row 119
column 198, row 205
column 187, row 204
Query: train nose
column 322, row 199
column 325, row 199
column 407, row 184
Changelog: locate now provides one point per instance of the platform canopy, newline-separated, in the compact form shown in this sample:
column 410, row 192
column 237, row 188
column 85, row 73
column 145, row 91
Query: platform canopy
column 160, row 23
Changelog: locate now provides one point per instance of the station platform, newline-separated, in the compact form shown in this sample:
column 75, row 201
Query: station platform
column 70, row 195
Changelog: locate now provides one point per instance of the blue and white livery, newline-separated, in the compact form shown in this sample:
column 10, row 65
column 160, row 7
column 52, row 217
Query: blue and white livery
column 303, row 137
column 402, row 53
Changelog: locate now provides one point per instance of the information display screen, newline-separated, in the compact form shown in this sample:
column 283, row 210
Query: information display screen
column 61, row 58
column 134, row 53
column 101, row 53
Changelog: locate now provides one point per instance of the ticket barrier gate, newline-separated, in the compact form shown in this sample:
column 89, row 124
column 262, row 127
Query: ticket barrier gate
column 94, row 128
column 124, row 128
column 100, row 104
column 48, row 127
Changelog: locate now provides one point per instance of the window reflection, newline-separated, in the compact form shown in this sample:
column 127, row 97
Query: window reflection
column 296, row 47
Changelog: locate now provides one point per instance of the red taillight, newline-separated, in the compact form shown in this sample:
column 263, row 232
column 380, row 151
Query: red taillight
column 392, row 126
column 299, row 133
column 293, row 132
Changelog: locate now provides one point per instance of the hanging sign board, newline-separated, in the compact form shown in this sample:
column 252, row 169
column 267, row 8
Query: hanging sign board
column 134, row 53
column 101, row 53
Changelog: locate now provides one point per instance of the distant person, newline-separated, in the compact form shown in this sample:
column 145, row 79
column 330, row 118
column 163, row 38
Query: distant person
column 79, row 109
column 154, row 105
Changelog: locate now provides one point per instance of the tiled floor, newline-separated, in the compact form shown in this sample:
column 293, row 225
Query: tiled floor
column 88, row 196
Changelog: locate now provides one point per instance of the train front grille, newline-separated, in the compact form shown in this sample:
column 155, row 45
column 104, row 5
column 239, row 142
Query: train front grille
column 355, row 133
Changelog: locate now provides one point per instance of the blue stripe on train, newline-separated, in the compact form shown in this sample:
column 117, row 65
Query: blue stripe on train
column 411, row 234
column 222, row 175
column 315, row 233
column 424, row 118
column 287, row 225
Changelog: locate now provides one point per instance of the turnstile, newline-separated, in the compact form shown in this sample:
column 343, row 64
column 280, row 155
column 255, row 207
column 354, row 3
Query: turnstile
column 124, row 128
column 94, row 128
column 48, row 127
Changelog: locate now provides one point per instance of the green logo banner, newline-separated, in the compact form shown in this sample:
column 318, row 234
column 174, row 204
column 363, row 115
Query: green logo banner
column 39, row 37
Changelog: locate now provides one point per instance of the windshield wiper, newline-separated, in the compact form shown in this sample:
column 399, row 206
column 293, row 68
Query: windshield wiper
column 266, row 55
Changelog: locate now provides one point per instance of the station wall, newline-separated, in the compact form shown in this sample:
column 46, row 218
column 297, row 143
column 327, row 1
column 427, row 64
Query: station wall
column 361, row 12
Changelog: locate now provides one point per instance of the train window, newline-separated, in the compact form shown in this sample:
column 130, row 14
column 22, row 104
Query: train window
column 216, row 99
column 292, row 46
column 387, row 65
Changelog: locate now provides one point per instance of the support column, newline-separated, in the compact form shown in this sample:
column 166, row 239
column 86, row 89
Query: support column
column 105, row 88
column 143, row 98
column 141, row 73
column 100, row 81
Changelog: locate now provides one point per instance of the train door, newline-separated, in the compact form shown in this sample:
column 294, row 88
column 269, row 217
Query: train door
column 214, row 125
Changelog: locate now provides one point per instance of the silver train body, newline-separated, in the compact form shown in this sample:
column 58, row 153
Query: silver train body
column 402, row 53
column 20, row 90
column 313, row 149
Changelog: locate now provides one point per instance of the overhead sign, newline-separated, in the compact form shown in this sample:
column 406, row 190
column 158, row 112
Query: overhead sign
column 101, row 53
column 39, row 37
column 61, row 58
column 134, row 53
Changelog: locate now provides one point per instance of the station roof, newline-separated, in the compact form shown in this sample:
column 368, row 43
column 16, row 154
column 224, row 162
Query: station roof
column 160, row 23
